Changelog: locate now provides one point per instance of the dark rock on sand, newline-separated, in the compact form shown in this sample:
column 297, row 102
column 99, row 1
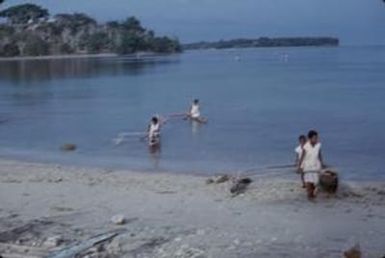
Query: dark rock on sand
column 218, row 179
column 240, row 185
column 222, row 179
column 354, row 252
column 68, row 147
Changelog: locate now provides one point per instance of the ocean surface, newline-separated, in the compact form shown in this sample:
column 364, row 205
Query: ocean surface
column 257, row 101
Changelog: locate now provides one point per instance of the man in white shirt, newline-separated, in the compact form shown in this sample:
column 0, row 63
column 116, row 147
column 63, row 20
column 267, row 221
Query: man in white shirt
column 298, row 151
column 311, row 163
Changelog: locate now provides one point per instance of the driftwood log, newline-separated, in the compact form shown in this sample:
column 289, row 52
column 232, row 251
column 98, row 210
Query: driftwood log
column 77, row 248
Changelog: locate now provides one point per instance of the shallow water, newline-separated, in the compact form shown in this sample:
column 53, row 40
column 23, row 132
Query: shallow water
column 257, row 101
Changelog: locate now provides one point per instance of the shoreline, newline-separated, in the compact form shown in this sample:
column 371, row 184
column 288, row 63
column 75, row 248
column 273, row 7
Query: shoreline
column 178, row 215
column 49, row 57
column 137, row 55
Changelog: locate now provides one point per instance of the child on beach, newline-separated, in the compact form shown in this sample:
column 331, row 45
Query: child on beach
column 153, row 132
column 298, row 152
column 311, row 163
column 194, row 113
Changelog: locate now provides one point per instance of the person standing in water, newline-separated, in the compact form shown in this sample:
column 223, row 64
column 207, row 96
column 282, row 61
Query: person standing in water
column 194, row 113
column 153, row 132
column 311, row 163
column 298, row 155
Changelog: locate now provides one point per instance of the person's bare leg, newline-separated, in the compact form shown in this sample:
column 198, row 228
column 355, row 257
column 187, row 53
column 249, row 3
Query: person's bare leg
column 202, row 120
column 198, row 120
column 303, row 179
column 310, row 191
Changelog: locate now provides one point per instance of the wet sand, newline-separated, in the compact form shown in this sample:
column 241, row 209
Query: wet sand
column 169, row 215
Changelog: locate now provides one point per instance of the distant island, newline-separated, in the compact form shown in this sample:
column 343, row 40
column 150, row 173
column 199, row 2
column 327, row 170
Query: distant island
column 264, row 42
column 29, row 30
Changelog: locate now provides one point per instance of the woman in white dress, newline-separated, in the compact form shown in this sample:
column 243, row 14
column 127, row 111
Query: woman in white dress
column 311, row 163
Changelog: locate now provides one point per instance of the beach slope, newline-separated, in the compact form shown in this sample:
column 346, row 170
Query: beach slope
column 50, row 208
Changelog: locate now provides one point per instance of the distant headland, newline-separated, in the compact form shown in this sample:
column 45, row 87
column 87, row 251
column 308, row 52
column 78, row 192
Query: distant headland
column 28, row 30
column 265, row 42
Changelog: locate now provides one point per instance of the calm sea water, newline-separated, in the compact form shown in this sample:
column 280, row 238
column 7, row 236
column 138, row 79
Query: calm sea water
column 257, row 101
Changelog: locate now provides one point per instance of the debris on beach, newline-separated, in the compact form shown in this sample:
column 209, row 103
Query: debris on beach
column 76, row 249
column 188, row 251
column 53, row 241
column 210, row 181
column 354, row 252
column 118, row 219
column 222, row 179
column 68, row 147
column 329, row 181
column 25, row 251
column 218, row 179
column 240, row 185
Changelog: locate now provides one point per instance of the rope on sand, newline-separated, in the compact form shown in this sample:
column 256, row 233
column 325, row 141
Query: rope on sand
column 255, row 171
column 241, row 181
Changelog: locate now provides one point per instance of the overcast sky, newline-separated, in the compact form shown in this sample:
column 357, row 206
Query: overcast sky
column 355, row 22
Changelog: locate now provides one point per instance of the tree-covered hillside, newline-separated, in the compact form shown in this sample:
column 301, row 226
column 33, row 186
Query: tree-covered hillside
column 29, row 30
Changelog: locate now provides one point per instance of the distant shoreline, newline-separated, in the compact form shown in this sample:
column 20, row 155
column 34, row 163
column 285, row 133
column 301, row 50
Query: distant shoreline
column 264, row 42
column 48, row 57
column 138, row 55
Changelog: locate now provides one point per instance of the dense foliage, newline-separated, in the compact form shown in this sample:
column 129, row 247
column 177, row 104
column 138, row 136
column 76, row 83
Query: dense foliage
column 30, row 31
column 22, row 14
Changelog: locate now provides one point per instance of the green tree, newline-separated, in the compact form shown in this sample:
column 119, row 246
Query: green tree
column 66, row 49
column 6, row 31
column 98, row 42
column 113, row 25
column 35, row 46
column 22, row 14
column 132, row 24
column 128, row 44
column 165, row 45
column 10, row 50
column 71, row 33
column 75, row 22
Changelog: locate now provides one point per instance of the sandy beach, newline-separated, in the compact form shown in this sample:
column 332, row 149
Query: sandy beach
column 47, row 208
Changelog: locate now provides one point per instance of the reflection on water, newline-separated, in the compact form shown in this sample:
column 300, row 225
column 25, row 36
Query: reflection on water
column 195, row 127
column 155, row 152
column 49, row 69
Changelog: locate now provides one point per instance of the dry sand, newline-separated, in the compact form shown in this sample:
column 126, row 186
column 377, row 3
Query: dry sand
column 170, row 215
